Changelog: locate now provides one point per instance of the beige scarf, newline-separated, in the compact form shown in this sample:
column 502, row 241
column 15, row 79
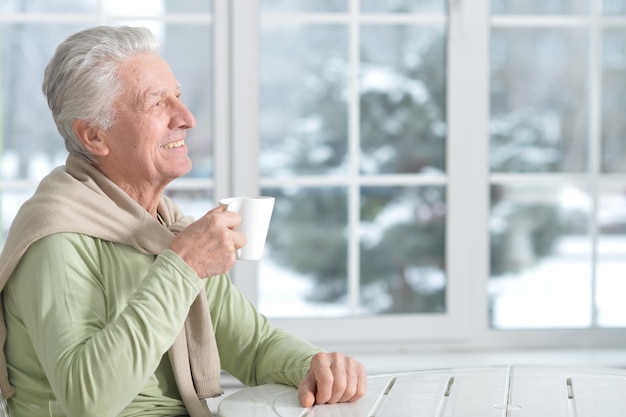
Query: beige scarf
column 78, row 198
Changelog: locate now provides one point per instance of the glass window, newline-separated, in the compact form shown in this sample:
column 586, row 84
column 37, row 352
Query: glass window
column 179, row 46
column 540, row 7
column 42, row 6
column 614, row 7
column 611, row 269
column 30, row 145
column 303, row 108
column 613, row 100
column 304, row 271
column 303, row 5
column 403, row 6
column 555, row 223
column 540, row 252
column 403, row 262
column 539, row 96
column 189, row 6
column 402, row 87
column 611, row 224
column 341, row 104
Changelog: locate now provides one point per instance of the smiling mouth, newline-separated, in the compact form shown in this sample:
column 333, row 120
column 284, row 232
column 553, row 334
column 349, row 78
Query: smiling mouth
column 173, row 145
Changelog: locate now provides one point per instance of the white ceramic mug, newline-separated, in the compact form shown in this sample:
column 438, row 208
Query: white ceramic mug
column 255, row 213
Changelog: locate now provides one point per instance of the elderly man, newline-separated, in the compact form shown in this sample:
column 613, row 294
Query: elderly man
column 115, row 303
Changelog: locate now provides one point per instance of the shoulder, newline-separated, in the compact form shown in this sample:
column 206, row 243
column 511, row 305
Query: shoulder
column 55, row 263
column 64, row 243
column 60, row 252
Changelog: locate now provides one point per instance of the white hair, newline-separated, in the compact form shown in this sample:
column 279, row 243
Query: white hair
column 81, row 82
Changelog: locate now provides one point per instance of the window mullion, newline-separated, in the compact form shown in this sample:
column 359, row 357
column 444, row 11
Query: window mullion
column 221, row 93
column 594, row 140
column 354, row 137
column 467, row 166
column 243, row 129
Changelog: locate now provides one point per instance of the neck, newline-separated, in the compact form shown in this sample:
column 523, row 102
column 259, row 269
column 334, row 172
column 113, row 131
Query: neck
column 147, row 194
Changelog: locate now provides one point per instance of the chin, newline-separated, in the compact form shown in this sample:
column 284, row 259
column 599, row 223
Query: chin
column 175, row 171
column 185, row 168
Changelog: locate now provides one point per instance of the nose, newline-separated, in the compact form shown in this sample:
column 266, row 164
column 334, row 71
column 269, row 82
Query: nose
column 182, row 117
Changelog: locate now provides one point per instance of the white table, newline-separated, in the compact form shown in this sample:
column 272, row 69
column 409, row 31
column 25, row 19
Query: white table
column 500, row 391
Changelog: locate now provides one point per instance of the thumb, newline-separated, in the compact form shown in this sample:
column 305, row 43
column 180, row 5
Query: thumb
column 306, row 391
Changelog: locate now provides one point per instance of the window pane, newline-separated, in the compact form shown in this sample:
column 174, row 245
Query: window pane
column 135, row 8
column 155, row 7
column 539, row 100
column 403, row 6
column 303, row 93
column 58, row 6
column 10, row 202
column 613, row 7
column 194, row 202
column 188, row 6
column 402, row 99
column 611, row 269
column 540, row 257
column 303, row 5
column 30, row 143
column 304, row 268
column 613, row 101
column 540, row 7
column 403, row 249
column 188, row 50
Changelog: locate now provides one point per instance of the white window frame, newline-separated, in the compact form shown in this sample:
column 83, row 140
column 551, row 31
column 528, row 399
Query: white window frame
column 466, row 322
column 454, row 325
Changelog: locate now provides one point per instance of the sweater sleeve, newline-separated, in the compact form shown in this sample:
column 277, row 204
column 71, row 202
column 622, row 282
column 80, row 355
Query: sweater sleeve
column 251, row 348
column 96, row 364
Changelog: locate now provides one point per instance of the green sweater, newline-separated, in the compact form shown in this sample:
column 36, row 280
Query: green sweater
column 89, row 323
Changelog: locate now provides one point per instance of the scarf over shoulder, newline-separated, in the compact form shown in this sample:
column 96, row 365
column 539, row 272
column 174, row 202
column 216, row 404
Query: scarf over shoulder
column 78, row 198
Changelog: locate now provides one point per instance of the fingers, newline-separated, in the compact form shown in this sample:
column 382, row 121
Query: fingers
column 356, row 382
column 333, row 378
column 219, row 208
column 306, row 391
column 209, row 245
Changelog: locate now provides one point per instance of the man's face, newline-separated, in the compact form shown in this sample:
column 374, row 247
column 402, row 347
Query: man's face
column 146, row 144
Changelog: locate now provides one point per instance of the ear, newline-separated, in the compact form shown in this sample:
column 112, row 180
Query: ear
column 90, row 137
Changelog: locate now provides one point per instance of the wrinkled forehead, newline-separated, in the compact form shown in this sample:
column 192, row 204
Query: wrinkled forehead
column 145, row 77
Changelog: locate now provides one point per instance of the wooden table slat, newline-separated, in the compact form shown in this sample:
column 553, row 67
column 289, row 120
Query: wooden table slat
column 594, row 396
column 414, row 396
column 539, row 395
column 476, row 396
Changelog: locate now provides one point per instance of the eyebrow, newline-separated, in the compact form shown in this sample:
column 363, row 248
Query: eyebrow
column 144, row 97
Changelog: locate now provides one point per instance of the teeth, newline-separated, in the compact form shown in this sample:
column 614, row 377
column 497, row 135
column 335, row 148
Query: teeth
column 174, row 144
